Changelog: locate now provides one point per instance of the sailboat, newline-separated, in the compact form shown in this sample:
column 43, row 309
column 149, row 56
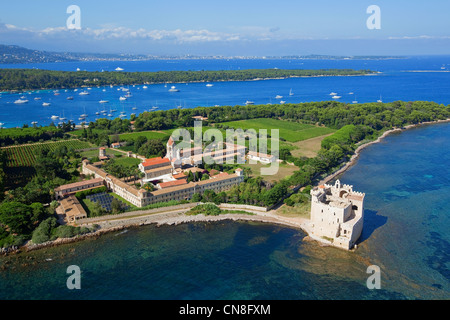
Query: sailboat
column 84, row 115
column 209, row 85
column 279, row 97
column 45, row 104
column 291, row 93
column 380, row 100
column 173, row 89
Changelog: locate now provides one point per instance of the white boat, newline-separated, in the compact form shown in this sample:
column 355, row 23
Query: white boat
column 144, row 87
column 279, row 97
column 354, row 102
column 34, row 122
column 84, row 93
column 78, row 69
column 291, row 93
column 20, row 101
column 45, row 104
column 37, row 98
column 69, row 98
column 209, row 85
column 173, row 89
column 134, row 108
column 336, row 97
column 249, row 102
column 282, row 102
column 84, row 115
column 119, row 69
column 380, row 100
column 103, row 101
column 54, row 117
column 123, row 98
column 333, row 93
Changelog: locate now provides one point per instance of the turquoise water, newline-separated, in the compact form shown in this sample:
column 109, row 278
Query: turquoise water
column 406, row 179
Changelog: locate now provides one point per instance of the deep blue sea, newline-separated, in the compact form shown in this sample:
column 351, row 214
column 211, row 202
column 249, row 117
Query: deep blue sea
column 406, row 179
column 414, row 78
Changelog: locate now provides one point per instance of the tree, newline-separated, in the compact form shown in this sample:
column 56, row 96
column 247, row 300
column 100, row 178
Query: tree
column 197, row 197
column 44, row 231
column 16, row 216
column 116, row 206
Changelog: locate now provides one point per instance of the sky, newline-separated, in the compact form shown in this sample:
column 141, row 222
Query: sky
column 230, row 28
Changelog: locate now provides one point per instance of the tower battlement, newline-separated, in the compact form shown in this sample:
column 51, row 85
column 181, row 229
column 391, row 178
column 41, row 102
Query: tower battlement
column 337, row 213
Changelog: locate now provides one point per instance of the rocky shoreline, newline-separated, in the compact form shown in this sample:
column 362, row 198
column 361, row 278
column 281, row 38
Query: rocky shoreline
column 167, row 218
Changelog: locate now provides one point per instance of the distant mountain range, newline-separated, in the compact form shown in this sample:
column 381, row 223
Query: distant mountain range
column 11, row 54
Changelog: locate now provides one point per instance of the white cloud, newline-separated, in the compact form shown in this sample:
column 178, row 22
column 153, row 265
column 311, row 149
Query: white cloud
column 418, row 37
column 108, row 33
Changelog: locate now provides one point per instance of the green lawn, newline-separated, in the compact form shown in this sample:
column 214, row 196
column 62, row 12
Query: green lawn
column 147, row 134
column 127, row 162
column 290, row 131
column 94, row 153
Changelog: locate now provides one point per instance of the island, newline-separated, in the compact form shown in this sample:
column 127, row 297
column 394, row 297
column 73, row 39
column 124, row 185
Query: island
column 63, row 183
column 31, row 79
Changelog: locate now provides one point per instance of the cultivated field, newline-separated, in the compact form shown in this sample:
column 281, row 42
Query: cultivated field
column 25, row 155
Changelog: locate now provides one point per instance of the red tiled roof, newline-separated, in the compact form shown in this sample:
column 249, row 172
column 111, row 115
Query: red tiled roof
column 155, row 161
column 172, row 183
column 179, row 176
column 79, row 184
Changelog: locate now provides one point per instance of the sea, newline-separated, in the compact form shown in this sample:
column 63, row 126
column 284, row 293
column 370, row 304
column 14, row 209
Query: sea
column 406, row 178
column 413, row 78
